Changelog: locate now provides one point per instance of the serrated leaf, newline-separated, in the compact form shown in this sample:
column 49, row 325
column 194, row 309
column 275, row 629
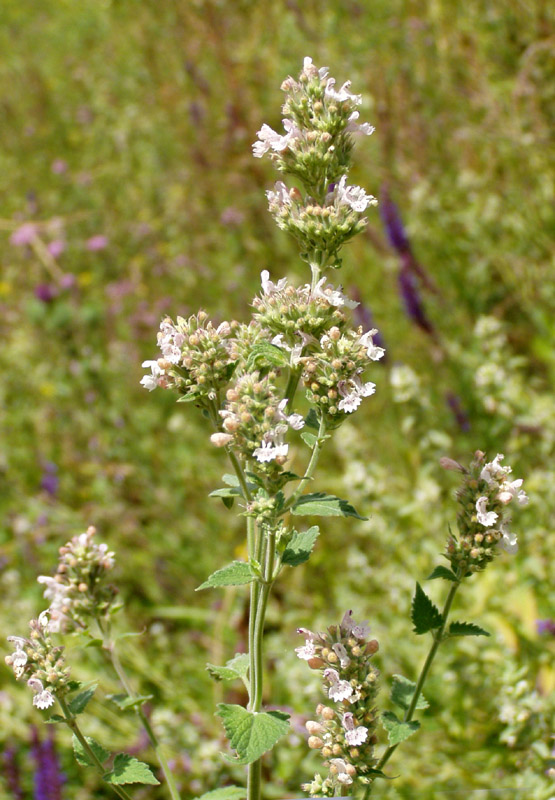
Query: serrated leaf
column 234, row 574
column 424, row 614
column 300, row 547
column 127, row 769
column 251, row 733
column 226, row 793
column 124, row 702
column 188, row 398
column 311, row 420
column 466, row 629
column 442, row 572
column 236, row 667
column 226, row 491
column 402, row 691
column 269, row 353
column 83, row 758
column 398, row 731
column 94, row 643
column 78, row 703
column 309, row 438
column 54, row 719
column 324, row 505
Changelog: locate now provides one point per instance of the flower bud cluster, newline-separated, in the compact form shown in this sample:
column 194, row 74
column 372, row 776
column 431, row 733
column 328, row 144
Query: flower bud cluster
column 344, row 731
column 255, row 420
column 319, row 121
column 37, row 660
column 79, row 590
column 195, row 357
column 332, row 375
column 483, row 519
column 297, row 317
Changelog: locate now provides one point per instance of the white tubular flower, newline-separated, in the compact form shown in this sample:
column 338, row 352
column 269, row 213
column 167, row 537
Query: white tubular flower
column 280, row 195
column 341, row 653
column 509, row 541
column 170, row 341
column 295, row 421
column 339, row 690
column 268, row 286
column 354, row 127
column 354, row 734
column 334, row 297
column 360, row 630
column 18, row 658
column 150, row 382
column 221, row 439
column 311, row 71
column 270, row 449
column 373, row 352
column 492, row 472
column 43, row 698
column 307, row 651
column 343, row 94
column 353, row 196
column 510, row 490
column 352, row 392
column 340, row 770
column 485, row 518
column 270, row 140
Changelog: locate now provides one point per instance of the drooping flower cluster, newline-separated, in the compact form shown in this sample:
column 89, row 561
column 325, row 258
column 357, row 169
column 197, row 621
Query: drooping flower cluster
column 195, row 358
column 42, row 664
column 344, row 732
column 483, row 519
column 332, row 375
column 255, row 420
column 319, row 121
column 79, row 590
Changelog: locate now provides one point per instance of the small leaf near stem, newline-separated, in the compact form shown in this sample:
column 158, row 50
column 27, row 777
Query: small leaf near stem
column 91, row 755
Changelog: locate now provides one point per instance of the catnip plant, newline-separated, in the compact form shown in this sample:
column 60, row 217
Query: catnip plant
column 265, row 389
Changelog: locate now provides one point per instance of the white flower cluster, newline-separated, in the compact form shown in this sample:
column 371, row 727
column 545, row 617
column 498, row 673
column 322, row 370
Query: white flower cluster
column 505, row 491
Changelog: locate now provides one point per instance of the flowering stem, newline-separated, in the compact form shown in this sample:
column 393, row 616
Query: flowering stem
column 71, row 722
column 109, row 648
column 292, row 383
column 438, row 638
column 311, row 466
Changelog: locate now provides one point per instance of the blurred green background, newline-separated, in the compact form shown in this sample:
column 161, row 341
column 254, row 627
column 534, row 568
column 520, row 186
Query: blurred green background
column 129, row 192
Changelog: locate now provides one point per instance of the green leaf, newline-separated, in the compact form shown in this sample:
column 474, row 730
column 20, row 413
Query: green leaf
column 442, row 572
column 309, row 438
column 311, row 420
column 264, row 354
column 466, row 629
column 251, row 733
column 54, row 718
column 78, row 703
column 300, row 547
column 234, row 574
column 127, row 769
column 398, row 731
column 226, row 491
column 424, row 614
column 188, row 398
column 236, row 667
column 324, row 505
column 123, row 701
column 227, row 793
column 83, row 758
column 402, row 691
column 94, row 643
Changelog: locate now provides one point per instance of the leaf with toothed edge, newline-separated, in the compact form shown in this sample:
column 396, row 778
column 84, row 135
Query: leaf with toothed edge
column 235, row 574
column 251, row 733
column 466, row 629
column 442, row 572
column 320, row 504
column 397, row 730
column 424, row 614
column 300, row 547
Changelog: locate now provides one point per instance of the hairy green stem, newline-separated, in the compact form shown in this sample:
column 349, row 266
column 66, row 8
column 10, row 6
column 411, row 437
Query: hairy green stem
column 311, row 466
column 291, row 388
column 438, row 637
column 109, row 649
column 72, row 723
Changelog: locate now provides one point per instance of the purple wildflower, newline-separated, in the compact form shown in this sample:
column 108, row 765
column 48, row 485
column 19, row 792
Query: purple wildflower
column 413, row 302
column 23, row 235
column 67, row 280
column 96, row 243
column 46, row 292
column 454, row 403
column 59, row 166
column 56, row 247
column 11, row 773
column 393, row 223
column 50, row 481
column 545, row 626
column 48, row 777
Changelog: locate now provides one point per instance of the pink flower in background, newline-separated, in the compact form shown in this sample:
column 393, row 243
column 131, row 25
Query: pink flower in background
column 23, row 235
column 96, row 243
column 56, row 247
column 59, row 166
